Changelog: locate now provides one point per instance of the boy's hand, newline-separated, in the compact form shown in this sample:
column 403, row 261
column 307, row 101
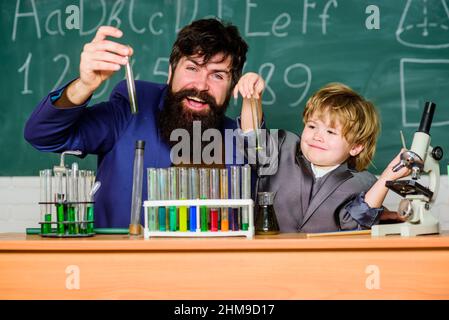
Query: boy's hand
column 250, row 84
column 389, row 174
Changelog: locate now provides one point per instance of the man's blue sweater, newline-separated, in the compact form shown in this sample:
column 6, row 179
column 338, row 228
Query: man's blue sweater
column 109, row 130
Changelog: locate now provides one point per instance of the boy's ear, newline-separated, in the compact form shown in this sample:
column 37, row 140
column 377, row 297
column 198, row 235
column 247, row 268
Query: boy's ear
column 169, row 74
column 356, row 149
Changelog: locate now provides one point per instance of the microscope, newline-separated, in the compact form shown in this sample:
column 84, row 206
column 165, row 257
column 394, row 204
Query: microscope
column 417, row 199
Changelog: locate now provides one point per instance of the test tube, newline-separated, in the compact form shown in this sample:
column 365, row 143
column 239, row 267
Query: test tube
column 193, row 194
column 90, row 215
column 136, row 199
column 204, row 194
column 172, row 195
column 214, row 194
column 131, row 87
column 152, row 195
column 183, row 195
column 73, row 200
column 235, row 194
column 60, row 200
column 82, row 201
column 46, row 199
column 224, row 194
column 163, row 195
column 246, row 194
column 255, row 118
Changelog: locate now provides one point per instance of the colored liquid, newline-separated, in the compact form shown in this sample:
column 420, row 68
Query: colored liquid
column 183, row 219
column 234, row 219
column 73, row 225
column 172, row 217
column 266, row 222
column 162, row 217
column 60, row 213
column 203, row 218
column 152, row 225
column 192, row 216
column 224, row 219
column 213, row 219
column 46, row 227
column 90, row 217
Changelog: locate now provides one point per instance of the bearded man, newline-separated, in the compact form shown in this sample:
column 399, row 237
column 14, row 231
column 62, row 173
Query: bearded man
column 206, row 63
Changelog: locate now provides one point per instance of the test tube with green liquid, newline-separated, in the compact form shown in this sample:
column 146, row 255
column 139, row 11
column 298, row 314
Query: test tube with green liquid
column 193, row 194
column 82, row 198
column 224, row 195
column 235, row 194
column 152, row 195
column 46, row 199
column 204, row 194
column 73, row 200
column 60, row 200
column 163, row 195
column 183, row 195
column 246, row 194
column 90, row 215
column 172, row 195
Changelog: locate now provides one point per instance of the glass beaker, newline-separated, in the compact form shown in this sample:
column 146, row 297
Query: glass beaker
column 266, row 221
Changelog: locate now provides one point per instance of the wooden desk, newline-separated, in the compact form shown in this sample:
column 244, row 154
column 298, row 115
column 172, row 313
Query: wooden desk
column 287, row 266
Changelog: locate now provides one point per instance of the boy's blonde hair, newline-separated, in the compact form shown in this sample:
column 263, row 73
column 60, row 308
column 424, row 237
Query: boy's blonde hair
column 357, row 116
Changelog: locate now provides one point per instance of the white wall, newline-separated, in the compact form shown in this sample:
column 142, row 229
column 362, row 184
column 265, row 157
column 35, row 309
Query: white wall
column 19, row 209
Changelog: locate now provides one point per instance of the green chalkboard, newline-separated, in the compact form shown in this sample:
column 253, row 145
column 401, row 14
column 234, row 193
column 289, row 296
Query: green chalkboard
column 297, row 45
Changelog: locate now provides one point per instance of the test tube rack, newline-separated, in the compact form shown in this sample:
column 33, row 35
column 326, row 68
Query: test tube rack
column 66, row 201
column 210, row 203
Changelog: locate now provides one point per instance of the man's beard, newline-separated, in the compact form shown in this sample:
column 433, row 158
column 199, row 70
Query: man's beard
column 176, row 116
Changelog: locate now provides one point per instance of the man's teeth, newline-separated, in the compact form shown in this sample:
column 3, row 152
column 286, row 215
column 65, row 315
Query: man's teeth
column 196, row 99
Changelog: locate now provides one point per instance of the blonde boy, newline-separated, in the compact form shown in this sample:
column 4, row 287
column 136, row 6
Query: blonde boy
column 321, row 182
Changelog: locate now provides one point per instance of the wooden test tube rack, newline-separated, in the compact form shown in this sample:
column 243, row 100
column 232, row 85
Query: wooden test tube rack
column 211, row 203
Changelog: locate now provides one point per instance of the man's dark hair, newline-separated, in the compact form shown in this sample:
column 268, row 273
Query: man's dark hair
column 208, row 37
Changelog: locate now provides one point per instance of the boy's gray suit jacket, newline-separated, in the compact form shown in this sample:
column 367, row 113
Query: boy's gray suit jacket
column 293, row 181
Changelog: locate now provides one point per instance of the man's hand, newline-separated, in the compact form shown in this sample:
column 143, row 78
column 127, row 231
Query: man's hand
column 99, row 60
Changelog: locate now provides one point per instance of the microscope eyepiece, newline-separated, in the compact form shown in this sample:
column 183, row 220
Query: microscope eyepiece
column 427, row 117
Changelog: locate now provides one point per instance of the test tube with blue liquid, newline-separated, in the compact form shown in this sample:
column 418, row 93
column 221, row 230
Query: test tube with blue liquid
column 193, row 194
column 172, row 195
column 183, row 195
column 152, row 195
column 204, row 194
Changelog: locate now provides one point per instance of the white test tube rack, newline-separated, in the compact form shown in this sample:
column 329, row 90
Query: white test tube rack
column 211, row 203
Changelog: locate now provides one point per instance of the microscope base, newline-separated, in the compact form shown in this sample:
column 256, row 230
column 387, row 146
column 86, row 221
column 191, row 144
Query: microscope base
column 405, row 229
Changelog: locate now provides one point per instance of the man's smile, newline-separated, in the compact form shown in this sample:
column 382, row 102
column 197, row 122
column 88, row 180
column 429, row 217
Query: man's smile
column 195, row 103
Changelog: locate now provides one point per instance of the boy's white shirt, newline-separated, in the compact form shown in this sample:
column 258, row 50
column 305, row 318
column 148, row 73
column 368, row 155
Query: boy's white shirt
column 319, row 172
